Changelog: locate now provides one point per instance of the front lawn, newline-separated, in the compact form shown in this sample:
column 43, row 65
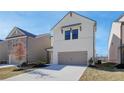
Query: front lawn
column 9, row 72
column 13, row 71
column 103, row 72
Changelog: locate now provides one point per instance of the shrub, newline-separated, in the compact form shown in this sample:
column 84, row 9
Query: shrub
column 90, row 61
column 24, row 64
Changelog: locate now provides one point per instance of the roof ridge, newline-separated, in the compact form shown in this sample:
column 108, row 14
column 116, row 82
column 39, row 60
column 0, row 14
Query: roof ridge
column 25, row 32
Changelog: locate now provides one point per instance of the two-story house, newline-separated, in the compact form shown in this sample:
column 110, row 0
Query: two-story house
column 72, row 43
column 21, row 46
column 3, row 51
column 73, row 40
column 116, row 41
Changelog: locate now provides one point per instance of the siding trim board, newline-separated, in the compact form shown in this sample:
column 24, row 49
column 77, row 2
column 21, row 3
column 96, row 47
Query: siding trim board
column 15, row 36
column 71, row 25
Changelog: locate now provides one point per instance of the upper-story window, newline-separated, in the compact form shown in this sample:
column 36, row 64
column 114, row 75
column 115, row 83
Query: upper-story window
column 67, row 35
column 75, row 34
column 71, row 34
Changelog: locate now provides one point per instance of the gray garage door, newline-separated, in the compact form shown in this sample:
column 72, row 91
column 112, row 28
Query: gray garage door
column 73, row 58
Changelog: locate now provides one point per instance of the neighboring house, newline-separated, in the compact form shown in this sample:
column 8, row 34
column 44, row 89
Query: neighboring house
column 102, row 58
column 3, row 51
column 21, row 46
column 73, row 40
column 116, row 41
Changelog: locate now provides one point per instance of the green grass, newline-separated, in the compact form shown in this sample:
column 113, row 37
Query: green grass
column 103, row 72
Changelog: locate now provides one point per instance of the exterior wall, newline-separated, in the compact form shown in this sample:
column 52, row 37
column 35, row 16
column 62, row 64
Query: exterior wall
column 17, row 50
column 114, row 43
column 83, row 43
column 37, row 48
column 3, row 51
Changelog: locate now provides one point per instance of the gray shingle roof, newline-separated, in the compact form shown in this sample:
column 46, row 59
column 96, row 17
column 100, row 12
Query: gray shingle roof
column 117, row 20
column 21, row 30
column 26, row 33
column 41, row 35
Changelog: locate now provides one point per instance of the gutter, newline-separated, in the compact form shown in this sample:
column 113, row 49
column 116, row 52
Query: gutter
column 94, row 30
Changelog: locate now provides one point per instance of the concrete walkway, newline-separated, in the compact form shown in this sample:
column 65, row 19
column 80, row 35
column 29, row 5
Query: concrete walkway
column 52, row 73
column 6, row 66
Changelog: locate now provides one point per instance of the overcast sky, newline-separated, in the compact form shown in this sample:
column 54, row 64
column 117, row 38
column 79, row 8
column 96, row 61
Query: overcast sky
column 41, row 22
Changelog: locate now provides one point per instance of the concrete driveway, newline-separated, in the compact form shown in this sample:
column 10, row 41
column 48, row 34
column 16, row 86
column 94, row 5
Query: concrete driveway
column 52, row 73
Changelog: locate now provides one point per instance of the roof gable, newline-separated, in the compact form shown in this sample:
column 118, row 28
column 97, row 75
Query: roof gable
column 17, row 32
column 120, row 19
column 71, row 14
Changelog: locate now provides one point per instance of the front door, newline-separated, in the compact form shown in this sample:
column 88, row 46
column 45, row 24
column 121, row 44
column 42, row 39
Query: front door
column 12, row 59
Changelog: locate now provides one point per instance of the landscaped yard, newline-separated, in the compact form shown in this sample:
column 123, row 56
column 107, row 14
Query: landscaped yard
column 9, row 72
column 103, row 72
column 13, row 71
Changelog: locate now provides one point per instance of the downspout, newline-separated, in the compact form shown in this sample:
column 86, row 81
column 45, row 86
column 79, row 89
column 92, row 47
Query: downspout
column 94, row 30
column 121, row 39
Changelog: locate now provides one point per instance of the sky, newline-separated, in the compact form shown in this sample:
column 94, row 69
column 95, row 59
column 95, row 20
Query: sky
column 40, row 22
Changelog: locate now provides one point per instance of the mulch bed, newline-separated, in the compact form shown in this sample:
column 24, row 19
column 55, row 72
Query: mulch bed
column 120, row 66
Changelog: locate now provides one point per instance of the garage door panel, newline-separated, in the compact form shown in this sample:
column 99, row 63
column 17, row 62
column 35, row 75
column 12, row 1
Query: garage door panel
column 73, row 58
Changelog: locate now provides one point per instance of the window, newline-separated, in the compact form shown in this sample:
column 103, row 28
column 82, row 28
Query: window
column 75, row 34
column 67, row 35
